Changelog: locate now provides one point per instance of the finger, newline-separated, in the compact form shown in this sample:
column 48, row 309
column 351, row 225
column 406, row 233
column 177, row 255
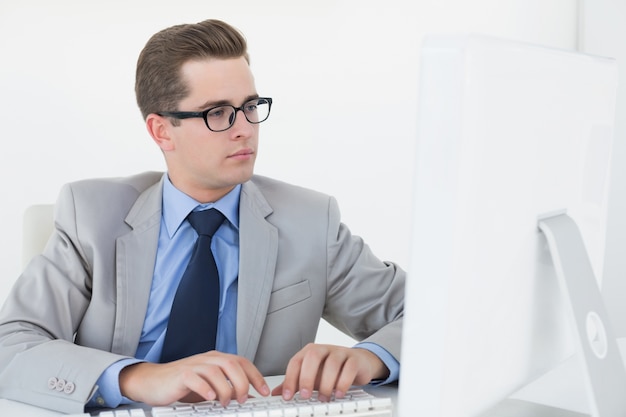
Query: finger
column 241, row 374
column 310, row 369
column 256, row 379
column 347, row 376
column 214, row 375
column 234, row 378
column 292, row 376
column 329, row 373
column 278, row 389
column 197, row 385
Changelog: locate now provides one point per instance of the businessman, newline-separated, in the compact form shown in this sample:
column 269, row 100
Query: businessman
column 110, row 313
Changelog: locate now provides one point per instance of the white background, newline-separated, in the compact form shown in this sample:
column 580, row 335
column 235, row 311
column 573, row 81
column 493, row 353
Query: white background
column 343, row 75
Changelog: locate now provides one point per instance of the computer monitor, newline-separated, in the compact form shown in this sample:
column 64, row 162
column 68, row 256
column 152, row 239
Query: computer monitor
column 507, row 132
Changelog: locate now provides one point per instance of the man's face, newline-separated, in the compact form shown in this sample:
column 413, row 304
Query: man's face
column 205, row 164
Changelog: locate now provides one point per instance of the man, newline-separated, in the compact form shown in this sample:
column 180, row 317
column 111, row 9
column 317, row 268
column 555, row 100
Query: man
column 87, row 322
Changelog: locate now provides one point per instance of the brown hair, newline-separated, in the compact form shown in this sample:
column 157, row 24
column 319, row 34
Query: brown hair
column 158, row 83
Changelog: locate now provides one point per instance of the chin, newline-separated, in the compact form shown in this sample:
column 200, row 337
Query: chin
column 241, row 177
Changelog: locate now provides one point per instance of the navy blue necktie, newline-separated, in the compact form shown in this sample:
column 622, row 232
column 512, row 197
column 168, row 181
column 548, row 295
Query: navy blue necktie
column 192, row 326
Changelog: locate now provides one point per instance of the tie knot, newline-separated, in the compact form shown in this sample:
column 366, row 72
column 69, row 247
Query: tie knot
column 206, row 222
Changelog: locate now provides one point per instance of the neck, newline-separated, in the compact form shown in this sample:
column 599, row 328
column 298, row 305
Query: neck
column 201, row 194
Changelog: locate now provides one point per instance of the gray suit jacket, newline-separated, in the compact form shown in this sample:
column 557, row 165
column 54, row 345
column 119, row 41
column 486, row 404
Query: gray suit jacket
column 80, row 306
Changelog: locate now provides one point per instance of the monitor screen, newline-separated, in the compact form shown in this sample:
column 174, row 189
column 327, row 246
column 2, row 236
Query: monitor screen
column 508, row 132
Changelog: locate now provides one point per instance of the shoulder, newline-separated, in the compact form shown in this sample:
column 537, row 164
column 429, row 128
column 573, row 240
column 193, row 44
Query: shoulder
column 288, row 201
column 280, row 190
column 113, row 196
column 135, row 184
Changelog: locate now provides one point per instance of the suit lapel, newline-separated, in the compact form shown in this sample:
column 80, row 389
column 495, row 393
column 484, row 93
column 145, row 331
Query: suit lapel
column 258, row 245
column 135, row 258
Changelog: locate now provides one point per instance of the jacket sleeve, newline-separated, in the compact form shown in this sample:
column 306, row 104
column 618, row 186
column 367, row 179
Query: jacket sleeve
column 39, row 363
column 365, row 295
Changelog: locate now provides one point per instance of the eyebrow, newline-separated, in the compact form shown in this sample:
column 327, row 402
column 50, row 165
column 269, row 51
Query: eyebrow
column 213, row 103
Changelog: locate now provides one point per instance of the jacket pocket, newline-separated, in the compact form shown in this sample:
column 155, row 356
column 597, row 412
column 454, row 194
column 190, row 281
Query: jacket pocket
column 285, row 297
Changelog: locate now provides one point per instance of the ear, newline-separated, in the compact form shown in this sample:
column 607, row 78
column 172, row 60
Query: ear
column 159, row 129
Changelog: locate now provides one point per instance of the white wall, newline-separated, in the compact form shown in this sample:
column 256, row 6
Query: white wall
column 343, row 75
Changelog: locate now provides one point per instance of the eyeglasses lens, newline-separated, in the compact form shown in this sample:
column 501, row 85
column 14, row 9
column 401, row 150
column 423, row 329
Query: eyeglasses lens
column 223, row 117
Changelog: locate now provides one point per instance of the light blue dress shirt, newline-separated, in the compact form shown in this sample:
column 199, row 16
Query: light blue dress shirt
column 176, row 240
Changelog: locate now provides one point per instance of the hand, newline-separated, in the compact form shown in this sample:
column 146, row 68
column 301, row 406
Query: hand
column 328, row 369
column 206, row 376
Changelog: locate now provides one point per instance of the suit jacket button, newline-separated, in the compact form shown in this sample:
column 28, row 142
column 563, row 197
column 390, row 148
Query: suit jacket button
column 60, row 385
column 69, row 388
column 52, row 383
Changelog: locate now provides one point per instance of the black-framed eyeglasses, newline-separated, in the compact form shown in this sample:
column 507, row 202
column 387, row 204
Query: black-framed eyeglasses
column 220, row 118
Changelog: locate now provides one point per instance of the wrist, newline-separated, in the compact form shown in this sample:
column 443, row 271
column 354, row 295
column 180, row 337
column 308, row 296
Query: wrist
column 129, row 377
column 378, row 368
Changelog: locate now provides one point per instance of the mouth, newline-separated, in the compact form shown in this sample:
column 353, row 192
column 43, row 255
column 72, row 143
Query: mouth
column 242, row 154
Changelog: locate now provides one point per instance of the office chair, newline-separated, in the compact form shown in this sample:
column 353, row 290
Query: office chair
column 37, row 227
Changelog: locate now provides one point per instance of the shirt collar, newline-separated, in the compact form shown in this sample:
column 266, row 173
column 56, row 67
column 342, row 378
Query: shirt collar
column 177, row 205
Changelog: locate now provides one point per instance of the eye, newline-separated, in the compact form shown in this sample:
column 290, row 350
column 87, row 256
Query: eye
column 251, row 106
column 216, row 113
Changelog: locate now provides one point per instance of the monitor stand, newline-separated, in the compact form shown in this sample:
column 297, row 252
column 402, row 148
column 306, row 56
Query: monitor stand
column 603, row 369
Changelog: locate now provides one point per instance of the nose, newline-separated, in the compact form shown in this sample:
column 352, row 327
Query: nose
column 241, row 126
column 234, row 115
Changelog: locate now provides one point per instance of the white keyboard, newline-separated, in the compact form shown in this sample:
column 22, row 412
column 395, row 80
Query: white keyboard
column 356, row 403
